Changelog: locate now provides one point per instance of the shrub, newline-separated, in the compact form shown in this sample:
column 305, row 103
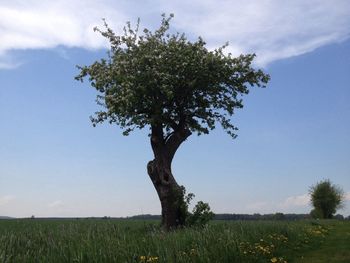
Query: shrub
column 201, row 213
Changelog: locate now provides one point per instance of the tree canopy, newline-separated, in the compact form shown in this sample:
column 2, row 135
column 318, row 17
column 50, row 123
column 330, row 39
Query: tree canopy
column 163, row 79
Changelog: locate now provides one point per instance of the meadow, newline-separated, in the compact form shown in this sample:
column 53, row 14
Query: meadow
column 109, row 240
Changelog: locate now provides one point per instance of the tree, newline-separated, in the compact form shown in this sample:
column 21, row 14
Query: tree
column 175, row 88
column 326, row 198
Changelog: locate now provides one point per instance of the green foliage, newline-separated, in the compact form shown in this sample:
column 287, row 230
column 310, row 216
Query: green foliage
column 163, row 79
column 326, row 199
column 201, row 213
column 184, row 202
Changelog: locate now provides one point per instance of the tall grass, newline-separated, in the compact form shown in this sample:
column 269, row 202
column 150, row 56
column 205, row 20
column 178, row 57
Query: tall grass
column 92, row 240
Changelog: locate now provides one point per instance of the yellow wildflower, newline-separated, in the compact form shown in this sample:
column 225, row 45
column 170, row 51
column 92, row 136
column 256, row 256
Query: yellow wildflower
column 274, row 260
column 148, row 259
column 152, row 259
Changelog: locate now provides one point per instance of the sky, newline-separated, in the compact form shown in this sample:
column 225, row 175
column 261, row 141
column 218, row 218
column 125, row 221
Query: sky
column 292, row 134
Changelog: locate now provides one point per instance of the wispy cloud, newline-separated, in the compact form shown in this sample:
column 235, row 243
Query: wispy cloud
column 9, row 65
column 59, row 208
column 6, row 199
column 297, row 200
column 273, row 29
column 290, row 204
column 8, row 62
column 46, row 24
column 258, row 207
column 347, row 196
column 56, row 204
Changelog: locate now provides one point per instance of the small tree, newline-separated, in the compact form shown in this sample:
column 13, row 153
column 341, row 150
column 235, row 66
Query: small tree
column 175, row 88
column 326, row 198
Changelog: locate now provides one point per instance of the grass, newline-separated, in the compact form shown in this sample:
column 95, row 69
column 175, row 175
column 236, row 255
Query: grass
column 93, row 240
column 335, row 248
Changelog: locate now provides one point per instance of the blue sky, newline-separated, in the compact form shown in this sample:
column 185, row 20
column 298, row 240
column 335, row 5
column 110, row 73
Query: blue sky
column 291, row 135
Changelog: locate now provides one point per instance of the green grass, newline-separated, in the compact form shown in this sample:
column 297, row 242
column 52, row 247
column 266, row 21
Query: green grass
column 334, row 249
column 92, row 240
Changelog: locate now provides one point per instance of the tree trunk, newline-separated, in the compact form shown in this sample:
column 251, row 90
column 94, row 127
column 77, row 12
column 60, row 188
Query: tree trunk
column 159, row 170
column 169, row 192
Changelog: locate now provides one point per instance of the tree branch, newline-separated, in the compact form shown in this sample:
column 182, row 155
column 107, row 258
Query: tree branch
column 175, row 141
column 168, row 136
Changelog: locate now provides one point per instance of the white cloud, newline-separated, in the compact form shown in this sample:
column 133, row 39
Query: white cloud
column 46, row 24
column 9, row 65
column 8, row 62
column 56, row 204
column 258, row 206
column 298, row 200
column 273, row 29
column 291, row 204
column 6, row 199
column 347, row 196
column 58, row 208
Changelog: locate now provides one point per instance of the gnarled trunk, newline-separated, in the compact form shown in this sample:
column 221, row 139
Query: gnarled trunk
column 169, row 193
column 159, row 170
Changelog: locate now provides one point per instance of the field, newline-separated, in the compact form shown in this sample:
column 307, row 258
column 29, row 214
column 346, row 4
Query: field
column 108, row 240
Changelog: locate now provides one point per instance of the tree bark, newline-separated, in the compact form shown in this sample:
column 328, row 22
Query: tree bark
column 169, row 193
column 159, row 170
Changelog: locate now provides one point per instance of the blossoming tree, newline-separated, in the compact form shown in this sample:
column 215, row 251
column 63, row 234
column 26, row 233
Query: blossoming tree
column 174, row 88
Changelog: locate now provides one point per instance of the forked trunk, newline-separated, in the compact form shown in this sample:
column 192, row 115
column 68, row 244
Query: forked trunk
column 159, row 170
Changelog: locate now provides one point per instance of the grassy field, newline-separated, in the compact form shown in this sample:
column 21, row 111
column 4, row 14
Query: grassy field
column 92, row 240
column 335, row 248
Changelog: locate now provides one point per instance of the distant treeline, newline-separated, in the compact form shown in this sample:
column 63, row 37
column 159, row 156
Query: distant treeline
column 276, row 216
